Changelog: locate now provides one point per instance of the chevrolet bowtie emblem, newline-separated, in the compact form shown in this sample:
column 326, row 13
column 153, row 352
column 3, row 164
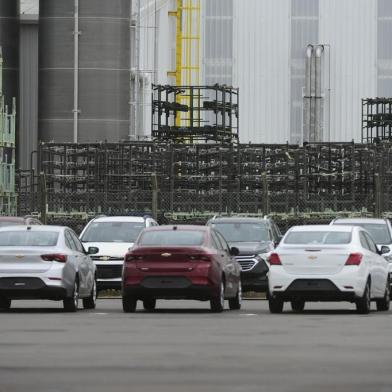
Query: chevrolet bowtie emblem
column 105, row 258
column 166, row 254
column 19, row 256
column 312, row 257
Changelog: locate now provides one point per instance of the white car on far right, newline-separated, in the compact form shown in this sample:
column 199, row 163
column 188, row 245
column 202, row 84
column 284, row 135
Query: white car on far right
column 328, row 263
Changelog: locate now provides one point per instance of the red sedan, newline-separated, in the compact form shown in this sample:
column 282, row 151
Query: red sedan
column 181, row 262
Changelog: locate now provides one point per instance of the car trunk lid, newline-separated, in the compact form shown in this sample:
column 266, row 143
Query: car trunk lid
column 169, row 259
column 24, row 260
column 314, row 260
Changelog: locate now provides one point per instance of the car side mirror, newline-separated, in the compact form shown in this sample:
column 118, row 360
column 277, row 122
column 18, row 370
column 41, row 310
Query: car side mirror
column 234, row 251
column 92, row 250
column 384, row 249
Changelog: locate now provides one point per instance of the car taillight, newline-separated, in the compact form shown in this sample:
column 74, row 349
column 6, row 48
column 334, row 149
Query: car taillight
column 354, row 259
column 274, row 259
column 132, row 258
column 199, row 258
column 55, row 257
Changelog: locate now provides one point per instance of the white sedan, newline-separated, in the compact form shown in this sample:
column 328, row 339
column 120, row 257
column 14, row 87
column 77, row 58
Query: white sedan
column 328, row 263
column 45, row 262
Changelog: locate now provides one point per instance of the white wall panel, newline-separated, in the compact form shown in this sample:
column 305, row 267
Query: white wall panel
column 262, row 69
column 350, row 27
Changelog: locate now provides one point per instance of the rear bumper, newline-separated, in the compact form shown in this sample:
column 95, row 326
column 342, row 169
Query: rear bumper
column 314, row 290
column 166, row 287
column 349, row 283
column 31, row 288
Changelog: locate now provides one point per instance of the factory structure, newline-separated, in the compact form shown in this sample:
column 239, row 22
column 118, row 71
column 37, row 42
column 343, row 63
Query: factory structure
column 82, row 71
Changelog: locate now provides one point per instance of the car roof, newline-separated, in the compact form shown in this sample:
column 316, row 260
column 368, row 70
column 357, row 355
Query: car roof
column 178, row 227
column 360, row 220
column 238, row 219
column 322, row 227
column 12, row 219
column 33, row 228
column 135, row 219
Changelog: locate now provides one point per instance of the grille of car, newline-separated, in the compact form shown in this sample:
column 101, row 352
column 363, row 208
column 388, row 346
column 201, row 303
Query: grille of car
column 247, row 263
column 107, row 258
column 109, row 271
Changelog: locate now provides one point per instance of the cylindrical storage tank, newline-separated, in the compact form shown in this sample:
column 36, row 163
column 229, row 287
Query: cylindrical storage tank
column 9, row 29
column 95, row 66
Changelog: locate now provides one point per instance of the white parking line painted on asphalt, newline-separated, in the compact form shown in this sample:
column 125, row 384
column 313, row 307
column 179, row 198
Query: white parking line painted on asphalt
column 248, row 314
column 101, row 314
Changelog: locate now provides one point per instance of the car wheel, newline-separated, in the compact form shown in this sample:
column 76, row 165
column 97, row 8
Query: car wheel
column 235, row 303
column 91, row 300
column 71, row 304
column 5, row 303
column 149, row 304
column 364, row 303
column 275, row 305
column 298, row 305
column 383, row 304
column 218, row 303
column 129, row 304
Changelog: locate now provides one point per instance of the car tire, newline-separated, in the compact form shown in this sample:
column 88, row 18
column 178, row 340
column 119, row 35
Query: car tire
column 275, row 305
column 129, row 304
column 217, row 303
column 149, row 304
column 5, row 303
column 383, row 304
column 71, row 304
column 235, row 303
column 91, row 300
column 364, row 303
column 298, row 306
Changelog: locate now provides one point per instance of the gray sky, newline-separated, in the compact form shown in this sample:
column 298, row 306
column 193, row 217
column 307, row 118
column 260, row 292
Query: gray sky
column 29, row 6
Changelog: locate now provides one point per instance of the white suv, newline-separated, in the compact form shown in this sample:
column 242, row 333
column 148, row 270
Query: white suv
column 113, row 236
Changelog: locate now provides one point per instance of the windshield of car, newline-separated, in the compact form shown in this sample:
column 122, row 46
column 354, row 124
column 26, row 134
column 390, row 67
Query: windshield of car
column 113, row 232
column 28, row 238
column 172, row 238
column 242, row 232
column 318, row 237
column 378, row 231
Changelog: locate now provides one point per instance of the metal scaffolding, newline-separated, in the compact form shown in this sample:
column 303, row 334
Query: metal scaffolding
column 210, row 115
column 7, row 152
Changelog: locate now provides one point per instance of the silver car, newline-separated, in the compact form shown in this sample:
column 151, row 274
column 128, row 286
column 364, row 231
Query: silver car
column 46, row 262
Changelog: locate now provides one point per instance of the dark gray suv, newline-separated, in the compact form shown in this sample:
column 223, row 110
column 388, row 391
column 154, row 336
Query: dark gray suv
column 255, row 238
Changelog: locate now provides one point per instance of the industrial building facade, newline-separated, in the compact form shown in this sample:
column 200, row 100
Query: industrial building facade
column 258, row 46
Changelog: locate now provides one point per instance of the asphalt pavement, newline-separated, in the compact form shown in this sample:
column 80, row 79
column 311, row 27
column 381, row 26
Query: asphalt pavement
column 183, row 347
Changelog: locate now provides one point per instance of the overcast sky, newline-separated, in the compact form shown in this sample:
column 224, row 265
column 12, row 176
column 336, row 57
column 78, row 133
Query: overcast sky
column 29, row 6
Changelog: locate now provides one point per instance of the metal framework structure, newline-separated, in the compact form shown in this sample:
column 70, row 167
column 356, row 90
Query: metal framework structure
column 211, row 115
column 376, row 119
column 7, row 153
column 209, row 178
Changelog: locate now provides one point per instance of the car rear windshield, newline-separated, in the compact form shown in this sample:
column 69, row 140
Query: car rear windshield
column 113, row 232
column 28, row 238
column 318, row 238
column 172, row 238
column 243, row 232
column 378, row 231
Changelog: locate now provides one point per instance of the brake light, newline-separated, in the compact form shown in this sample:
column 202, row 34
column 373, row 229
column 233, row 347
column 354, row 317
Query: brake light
column 132, row 258
column 60, row 258
column 200, row 258
column 274, row 259
column 354, row 259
